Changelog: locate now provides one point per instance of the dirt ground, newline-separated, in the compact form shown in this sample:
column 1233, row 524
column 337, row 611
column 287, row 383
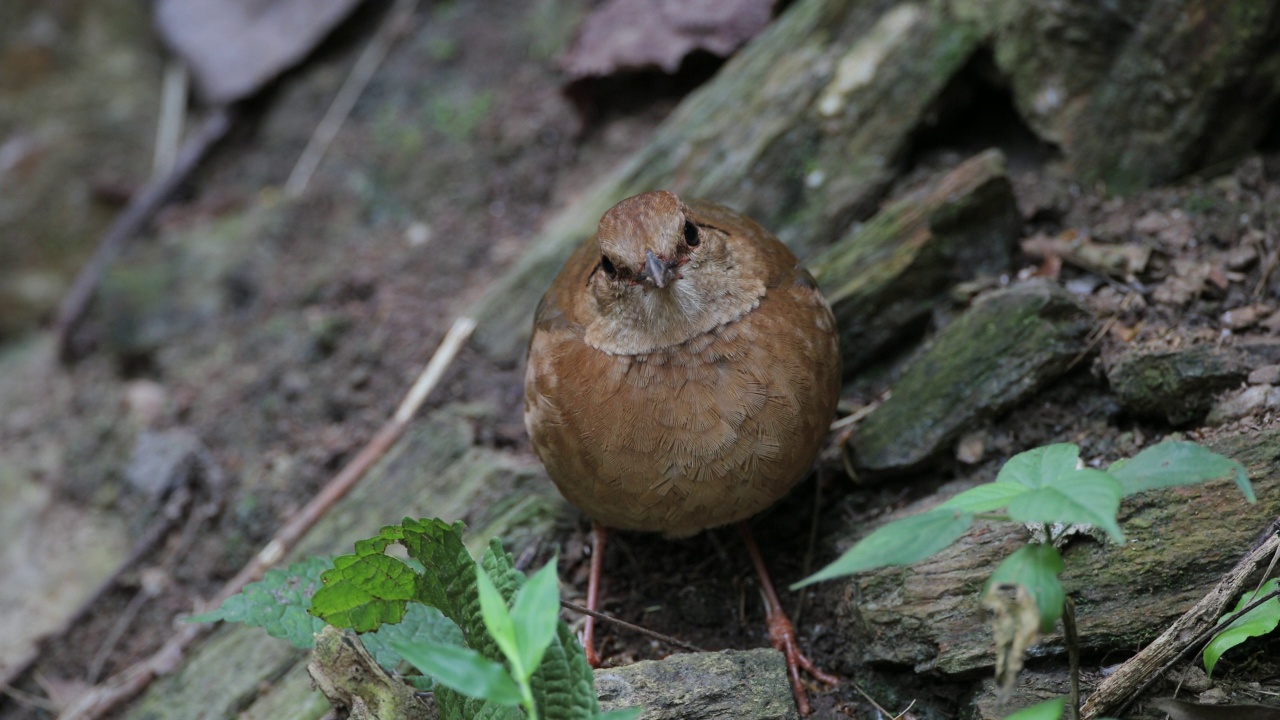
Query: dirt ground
column 280, row 334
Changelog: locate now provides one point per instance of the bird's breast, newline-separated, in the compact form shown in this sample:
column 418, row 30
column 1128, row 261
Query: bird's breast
column 695, row 435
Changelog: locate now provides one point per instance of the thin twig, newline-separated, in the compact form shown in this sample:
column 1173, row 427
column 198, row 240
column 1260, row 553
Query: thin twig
column 142, row 206
column 353, row 87
column 1195, row 643
column 133, row 680
column 811, row 546
column 634, row 628
column 1139, row 671
column 173, row 110
column 878, row 706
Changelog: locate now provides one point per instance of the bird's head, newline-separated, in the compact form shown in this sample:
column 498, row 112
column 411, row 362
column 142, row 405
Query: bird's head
column 664, row 275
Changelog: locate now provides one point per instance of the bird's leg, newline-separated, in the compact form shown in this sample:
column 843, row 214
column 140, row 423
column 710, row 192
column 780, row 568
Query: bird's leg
column 599, row 536
column 782, row 634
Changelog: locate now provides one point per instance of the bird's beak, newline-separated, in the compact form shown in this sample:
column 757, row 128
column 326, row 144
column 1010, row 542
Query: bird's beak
column 655, row 269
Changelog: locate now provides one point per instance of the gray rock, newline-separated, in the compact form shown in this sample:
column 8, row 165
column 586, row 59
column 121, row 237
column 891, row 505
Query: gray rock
column 744, row 685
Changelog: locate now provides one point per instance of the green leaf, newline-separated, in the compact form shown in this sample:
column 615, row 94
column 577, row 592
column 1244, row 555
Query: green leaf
column 563, row 686
column 497, row 618
column 623, row 714
column 1047, row 710
column 421, row 624
column 535, row 612
column 900, row 542
column 1173, row 463
column 366, row 589
column 278, row 603
column 444, row 576
column 1035, row 567
column 463, row 670
column 986, row 497
column 1257, row 622
column 1081, row 496
column 1039, row 467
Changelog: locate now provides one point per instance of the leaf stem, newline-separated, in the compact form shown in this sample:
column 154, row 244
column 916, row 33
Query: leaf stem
column 1072, row 637
column 526, row 699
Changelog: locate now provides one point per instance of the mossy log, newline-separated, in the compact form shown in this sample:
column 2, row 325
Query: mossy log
column 1178, row 543
column 803, row 130
column 1139, row 93
column 1181, row 385
column 1008, row 345
column 959, row 225
column 809, row 124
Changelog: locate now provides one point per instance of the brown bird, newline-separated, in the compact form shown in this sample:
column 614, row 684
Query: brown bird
column 683, row 372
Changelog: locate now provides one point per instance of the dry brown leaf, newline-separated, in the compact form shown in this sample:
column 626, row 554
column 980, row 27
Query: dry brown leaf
column 234, row 47
column 624, row 35
column 1015, row 625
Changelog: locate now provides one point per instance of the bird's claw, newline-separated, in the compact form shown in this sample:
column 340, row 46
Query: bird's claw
column 782, row 635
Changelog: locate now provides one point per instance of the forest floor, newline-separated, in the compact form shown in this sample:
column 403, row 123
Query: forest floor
column 277, row 335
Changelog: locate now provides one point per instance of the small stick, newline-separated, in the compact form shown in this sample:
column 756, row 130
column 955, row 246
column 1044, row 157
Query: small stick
column 173, row 109
column 352, row 88
column 634, row 628
column 1194, row 644
column 1140, row 670
column 880, row 707
column 133, row 680
column 142, row 206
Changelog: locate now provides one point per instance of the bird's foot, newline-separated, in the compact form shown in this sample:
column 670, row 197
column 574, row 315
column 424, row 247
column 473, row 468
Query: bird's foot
column 782, row 635
column 593, row 658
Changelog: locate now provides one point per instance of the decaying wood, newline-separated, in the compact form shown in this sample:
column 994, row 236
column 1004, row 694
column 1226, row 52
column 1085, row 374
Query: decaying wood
column 959, row 225
column 1188, row 630
column 1181, row 385
column 1007, row 346
column 1178, row 545
column 833, row 91
column 836, row 90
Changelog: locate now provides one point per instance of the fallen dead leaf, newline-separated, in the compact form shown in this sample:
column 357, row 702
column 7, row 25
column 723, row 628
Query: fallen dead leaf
column 627, row 35
column 234, row 47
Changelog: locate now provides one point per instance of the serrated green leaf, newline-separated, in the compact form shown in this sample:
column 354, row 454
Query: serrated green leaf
column 534, row 613
column 278, row 603
column 900, row 542
column 463, row 670
column 497, row 619
column 563, row 686
column 1039, row 467
column 986, row 497
column 1255, row 623
column 421, row 624
column 1047, row 710
column 365, row 590
column 1173, row 463
column 623, row 714
column 1035, row 567
column 1081, row 496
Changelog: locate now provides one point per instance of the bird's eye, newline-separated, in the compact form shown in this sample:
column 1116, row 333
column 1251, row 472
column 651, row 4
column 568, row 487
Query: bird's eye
column 607, row 265
column 691, row 234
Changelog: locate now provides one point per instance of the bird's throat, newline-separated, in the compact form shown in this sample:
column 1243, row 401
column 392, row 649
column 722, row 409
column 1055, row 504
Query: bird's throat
column 666, row 317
